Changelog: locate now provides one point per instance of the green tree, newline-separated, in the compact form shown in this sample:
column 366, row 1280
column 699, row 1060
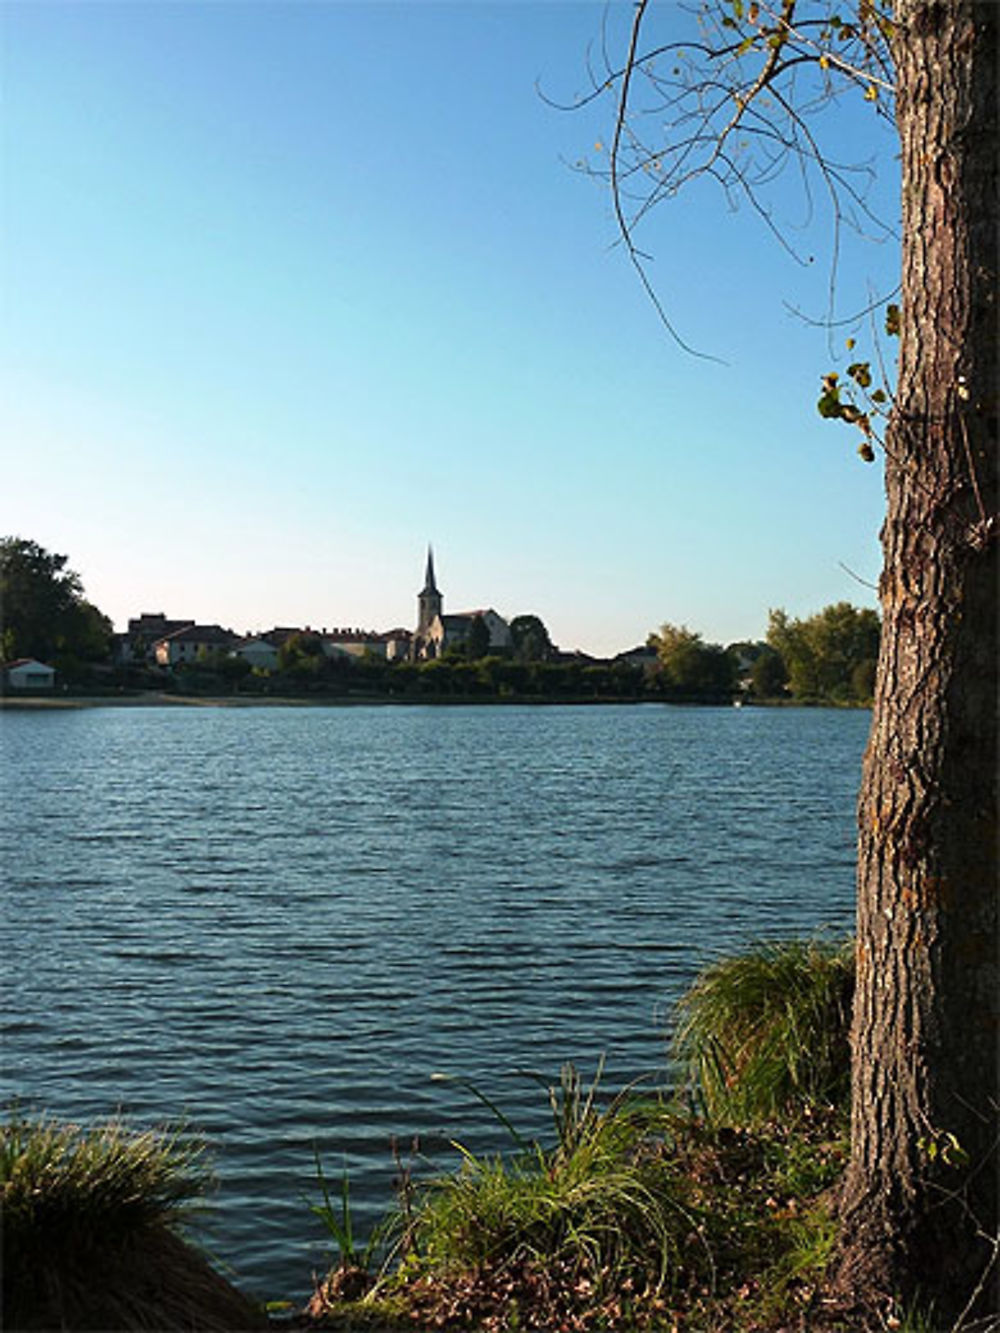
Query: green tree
column 477, row 645
column 769, row 675
column 824, row 652
column 232, row 669
column 43, row 612
column 744, row 92
column 691, row 665
column 302, row 654
column 530, row 639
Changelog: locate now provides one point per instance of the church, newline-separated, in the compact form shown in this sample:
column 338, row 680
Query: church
column 437, row 632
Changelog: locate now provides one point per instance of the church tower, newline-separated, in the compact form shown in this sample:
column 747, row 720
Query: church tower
column 429, row 601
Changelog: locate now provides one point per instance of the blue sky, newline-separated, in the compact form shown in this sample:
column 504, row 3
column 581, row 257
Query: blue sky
column 290, row 290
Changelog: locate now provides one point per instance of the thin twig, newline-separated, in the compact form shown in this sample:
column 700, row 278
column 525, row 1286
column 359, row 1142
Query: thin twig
column 857, row 577
column 623, row 226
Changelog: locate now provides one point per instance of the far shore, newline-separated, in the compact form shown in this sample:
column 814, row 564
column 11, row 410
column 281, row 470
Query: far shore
column 153, row 699
column 156, row 699
column 159, row 699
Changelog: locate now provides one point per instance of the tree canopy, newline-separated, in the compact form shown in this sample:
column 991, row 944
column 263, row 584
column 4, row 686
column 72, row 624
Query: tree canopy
column 44, row 612
column 530, row 639
column 829, row 656
column 477, row 644
column 691, row 665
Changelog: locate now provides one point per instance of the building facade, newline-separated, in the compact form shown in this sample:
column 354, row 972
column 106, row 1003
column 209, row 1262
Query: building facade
column 437, row 632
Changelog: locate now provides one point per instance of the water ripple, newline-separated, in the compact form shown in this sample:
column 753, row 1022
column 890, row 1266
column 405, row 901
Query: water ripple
column 279, row 923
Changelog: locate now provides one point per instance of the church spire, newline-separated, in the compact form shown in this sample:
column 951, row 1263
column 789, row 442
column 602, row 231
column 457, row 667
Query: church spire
column 429, row 600
column 429, row 585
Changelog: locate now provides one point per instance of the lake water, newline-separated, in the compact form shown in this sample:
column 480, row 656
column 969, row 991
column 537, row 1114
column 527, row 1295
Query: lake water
column 280, row 922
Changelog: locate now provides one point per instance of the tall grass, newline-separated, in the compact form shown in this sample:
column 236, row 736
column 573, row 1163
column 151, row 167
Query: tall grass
column 636, row 1210
column 765, row 1033
column 607, row 1206
column 91, row 1221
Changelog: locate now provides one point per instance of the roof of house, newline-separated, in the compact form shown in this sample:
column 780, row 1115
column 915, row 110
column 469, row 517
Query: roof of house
column 279, row 635
column 25, row 661
column 246, row 640
column 643, row 650
column 198, row 634
column 351, row 636
column 455, row 618
column 151, row 626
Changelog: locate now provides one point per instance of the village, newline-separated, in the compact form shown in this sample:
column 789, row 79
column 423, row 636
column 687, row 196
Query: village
column 157, row 646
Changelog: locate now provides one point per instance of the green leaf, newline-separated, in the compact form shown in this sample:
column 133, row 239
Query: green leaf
column 861, row 373
column 829, row 405
column 893, row 320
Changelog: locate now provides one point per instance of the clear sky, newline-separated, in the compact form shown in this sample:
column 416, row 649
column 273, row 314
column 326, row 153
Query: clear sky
column 292, row 289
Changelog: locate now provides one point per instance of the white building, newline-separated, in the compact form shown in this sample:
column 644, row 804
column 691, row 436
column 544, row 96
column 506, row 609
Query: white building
column 261, row 654
column 28, row 676
column 191, row 644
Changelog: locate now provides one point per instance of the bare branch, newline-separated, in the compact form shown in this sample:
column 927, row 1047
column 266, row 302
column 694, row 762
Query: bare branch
column 736, row 106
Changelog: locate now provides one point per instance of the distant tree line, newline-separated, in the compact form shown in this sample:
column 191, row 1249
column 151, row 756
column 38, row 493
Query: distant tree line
column 826, row 658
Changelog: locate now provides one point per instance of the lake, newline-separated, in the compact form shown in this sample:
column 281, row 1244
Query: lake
column 280, row 922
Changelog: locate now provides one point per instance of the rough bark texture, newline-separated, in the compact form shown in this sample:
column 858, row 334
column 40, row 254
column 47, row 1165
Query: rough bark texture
column 920, row 1201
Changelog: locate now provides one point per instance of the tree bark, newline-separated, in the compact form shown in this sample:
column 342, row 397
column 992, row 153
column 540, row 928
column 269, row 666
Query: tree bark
column 919, row 1206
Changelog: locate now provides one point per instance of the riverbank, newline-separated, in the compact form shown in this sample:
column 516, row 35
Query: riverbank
column 640, row 1211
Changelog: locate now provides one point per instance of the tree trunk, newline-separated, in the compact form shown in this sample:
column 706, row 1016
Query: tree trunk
column 919, row 1206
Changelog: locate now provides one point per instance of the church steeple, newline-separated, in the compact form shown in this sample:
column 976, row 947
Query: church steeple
column 429, row 600
column 430, row 587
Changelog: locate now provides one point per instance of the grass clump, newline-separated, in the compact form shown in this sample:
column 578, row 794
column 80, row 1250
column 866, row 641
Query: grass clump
column 91, row 1231
column 604, row 1198
column 765, row 1033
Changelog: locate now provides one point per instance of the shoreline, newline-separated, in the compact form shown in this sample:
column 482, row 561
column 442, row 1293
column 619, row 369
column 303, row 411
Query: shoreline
column 157, row 699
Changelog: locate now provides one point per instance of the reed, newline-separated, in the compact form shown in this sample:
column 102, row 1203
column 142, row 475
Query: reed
column 607, row 1208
